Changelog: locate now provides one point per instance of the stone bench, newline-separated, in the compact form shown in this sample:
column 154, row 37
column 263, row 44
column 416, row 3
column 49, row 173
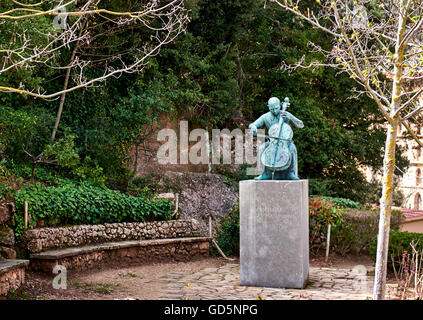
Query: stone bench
column 12, row 275
column 88, row 246
column 122, row 253
column 42, row 239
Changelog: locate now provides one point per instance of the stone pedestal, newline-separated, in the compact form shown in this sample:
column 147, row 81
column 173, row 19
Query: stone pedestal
column 274, row 233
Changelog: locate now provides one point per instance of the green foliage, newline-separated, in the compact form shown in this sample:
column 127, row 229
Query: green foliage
column 89, row 170
column 358, row 230
column 16, row 126
column 7, row 179
column 220, row 73
column 240, row 45
column 399, row 243
column 228, row 234
column 153, row 183
column 62, row 151
column 35, row 30
column 24, row 171
column 321, row 213
column 107, row 122
column 85, row 204
column 321, row 187
column 375, row 192
column 352, row 230
column 6, row 192
column 342, row 203
column 324, row 212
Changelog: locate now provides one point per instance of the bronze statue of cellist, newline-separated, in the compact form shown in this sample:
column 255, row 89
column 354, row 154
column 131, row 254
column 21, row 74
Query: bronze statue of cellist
column 278, row 156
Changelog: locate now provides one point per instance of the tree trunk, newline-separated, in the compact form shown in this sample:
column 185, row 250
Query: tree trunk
column 385, row 211
column 389, row 162
column 65, row 86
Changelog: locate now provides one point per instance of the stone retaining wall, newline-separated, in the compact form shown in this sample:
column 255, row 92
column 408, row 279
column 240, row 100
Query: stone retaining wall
column 7, row 237
column 12, row 279
column 154, row 252
column 12, row 275
column 42, row 239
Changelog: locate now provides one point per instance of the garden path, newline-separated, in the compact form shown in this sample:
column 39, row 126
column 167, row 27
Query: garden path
column 344, row 278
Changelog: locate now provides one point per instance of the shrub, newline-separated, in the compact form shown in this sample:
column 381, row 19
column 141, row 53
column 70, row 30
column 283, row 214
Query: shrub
column 228, row 234
column 321, row 187
column 352, row 231
column 63, row 153
column 358, row 230
column 28, row 128
column 84, row 204
column 399, row 244
column 342, row 203
column 322, row 213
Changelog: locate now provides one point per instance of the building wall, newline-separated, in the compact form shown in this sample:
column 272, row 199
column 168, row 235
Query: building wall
column 412, row 226
column 411, row 183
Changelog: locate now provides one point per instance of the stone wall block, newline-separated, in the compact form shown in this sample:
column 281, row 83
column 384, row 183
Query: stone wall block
column 7, row 237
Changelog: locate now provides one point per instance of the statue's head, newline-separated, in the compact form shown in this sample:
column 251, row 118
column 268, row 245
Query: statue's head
column 274, row 105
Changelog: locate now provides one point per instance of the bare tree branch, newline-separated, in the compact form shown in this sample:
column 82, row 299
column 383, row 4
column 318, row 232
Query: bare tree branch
column 165, row 22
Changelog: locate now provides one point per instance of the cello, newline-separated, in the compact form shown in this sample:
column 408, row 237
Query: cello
column 276, row 156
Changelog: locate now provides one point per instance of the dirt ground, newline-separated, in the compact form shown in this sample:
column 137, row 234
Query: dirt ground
column 111, row 283
column 135, row 282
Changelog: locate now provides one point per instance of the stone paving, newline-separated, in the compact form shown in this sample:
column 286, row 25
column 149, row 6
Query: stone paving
column 223, row 284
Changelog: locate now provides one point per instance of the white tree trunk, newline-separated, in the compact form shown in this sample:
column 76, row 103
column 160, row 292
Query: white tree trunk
column 389, row 162
column 385, row 212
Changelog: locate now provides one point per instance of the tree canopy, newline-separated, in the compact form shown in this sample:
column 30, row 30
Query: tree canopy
column 219, row 73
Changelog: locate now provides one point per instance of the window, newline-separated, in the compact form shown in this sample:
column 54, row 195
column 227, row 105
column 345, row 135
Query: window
column 418, row 202
column 418, row 176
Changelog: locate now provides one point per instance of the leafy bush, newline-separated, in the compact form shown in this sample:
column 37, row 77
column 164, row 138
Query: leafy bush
column 63, row 153
column 399, row 243
column 321, row 187
column 342, row 203
column 228, row 234
column 8, row 179
column 25, row 128
column 359, row 229
column 352, row 231
column 322, row 213
column 84, row 204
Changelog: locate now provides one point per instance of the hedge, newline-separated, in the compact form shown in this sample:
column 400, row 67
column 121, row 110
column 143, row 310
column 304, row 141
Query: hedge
column 358, row 230
column 399, row 242
column 228, row 234
column 84, row 204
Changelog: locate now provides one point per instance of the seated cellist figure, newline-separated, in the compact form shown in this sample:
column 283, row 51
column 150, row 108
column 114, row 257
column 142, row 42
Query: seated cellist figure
column 277, row 158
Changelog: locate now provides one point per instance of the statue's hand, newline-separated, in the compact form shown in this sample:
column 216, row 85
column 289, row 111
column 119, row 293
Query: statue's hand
column 253, row 129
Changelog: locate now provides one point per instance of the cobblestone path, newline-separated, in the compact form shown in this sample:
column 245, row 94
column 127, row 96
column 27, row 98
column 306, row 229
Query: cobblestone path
column 222, row 283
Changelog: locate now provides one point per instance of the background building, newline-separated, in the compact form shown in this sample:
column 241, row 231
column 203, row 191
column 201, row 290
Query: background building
column 411, row 184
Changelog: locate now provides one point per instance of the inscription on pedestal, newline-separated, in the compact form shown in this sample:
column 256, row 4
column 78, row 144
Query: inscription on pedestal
column 274, row 233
